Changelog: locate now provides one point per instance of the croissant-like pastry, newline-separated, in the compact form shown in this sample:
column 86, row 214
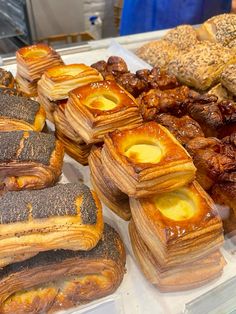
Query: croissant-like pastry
column 66, row 216
column 202, row 65
column 20, row 113
column 29, row 160
column 146, row 160
column 107, row 191
column 57, row 81
column 180, row 278
column 56, row 280
column 97, row 108
column 6, row 79
column 178, row 226
column 184, row 129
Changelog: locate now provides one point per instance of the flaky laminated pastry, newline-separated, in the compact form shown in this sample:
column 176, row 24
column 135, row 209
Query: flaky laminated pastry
column 29, row 160
column 20, row 113
column 146, row 160
column 56, row 280
column 178, row 226
column 66, row 216
column 180, row 278
column 107, row 191
column 97, row 108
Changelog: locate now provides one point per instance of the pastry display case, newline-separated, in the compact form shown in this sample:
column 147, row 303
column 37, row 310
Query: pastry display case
column 135, row 294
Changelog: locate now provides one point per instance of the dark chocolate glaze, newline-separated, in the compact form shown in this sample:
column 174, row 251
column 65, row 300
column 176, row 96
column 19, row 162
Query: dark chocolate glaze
column 108, row 248
column 20, row 108
column 51, row 202
column 9, row 144
column 38, row 147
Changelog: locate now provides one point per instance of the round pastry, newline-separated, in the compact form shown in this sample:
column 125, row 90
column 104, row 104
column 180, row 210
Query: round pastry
column 228, row 78
column 158, row 53
column 6, row 79
column 183, row 36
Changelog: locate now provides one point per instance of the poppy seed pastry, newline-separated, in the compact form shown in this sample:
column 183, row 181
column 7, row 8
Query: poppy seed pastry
column 100, row 107
column 33, row 160
column 56, row 280
column 201, row 66
column 66, row 216
column 178, row 226
column 183, row 36
column 107, row 191
column 220, row 28
column 228, row 78
column 20, row 113
column 146, row 160
column 179, row 278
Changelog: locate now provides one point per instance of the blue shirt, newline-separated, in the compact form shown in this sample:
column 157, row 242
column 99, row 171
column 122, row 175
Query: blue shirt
column 140, row 16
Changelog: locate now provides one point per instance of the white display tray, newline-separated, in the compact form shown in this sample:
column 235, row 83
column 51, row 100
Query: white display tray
column 136, row 295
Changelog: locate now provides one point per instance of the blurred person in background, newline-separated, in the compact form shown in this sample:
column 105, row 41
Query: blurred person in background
column 140, row 16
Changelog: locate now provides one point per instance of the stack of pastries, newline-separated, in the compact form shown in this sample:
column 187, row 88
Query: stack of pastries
column 56, row 82
column 31, row 62
column 59, row 253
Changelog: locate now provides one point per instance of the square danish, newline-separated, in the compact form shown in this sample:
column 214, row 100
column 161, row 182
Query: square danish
column 57, row 81
column 146, row 160
column 178, row 226
column 101, row 107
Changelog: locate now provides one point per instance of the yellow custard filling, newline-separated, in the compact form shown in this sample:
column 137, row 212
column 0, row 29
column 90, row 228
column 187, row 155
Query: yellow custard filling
column 102, row 102
column 144, row 153
column 36, row 54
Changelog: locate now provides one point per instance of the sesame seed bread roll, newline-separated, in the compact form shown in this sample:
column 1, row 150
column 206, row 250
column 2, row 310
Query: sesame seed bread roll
column 228, row 78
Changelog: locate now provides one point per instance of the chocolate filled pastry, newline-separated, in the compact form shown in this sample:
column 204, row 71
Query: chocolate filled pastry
column 72, row 142
column 29, row 160
column 57, row 81
column 31, row 62
column 107, row 191
column 228, row 78
column 146, row 160
column 178, row 226
column 6, row 79
column 158, row 53
column 20, row 113
column 202, row 65
column 220, row 28
column 97, row 108
column 183, row 36
column 215, row 160
column 184, row 129
column 66, row 216
column 56, row 280
column 180, row 278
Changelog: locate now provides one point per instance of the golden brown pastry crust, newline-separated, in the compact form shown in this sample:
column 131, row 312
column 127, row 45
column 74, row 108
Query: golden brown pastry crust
column 141, row 178
column 228, row 78
column 61, row 217
column 34, row 161
column 174, row 240
column 97, row 108
column 6, row 79
column 63, row 279
column 107, row 191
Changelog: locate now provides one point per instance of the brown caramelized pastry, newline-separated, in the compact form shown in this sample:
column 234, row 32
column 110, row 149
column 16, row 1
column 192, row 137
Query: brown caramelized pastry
column 224, row 193
column 220, row 28
column 33, row 160
column 66, row 216
column 220, row 91
column 107, row 191
column 20, row 113
column 97, row 108
column 146, row 160
column 183, row 36
column 157, row 101
column 178, row 226
column 10, row 92
column 72, row 142
column 184, row 129
column 158, row 53
column 6, row 79
column 56, row 280
column 202, row 65
column 180, row 278
column 213, row 158
column 57, row 81
column 228, row 78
